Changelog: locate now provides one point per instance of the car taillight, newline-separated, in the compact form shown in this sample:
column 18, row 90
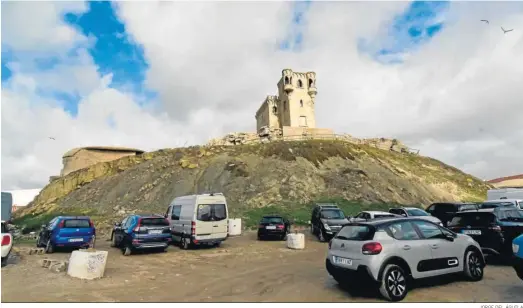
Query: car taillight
column 261, row 226
column 6, row 240
column 193, row 228
column 280, row 227
column 91, row 224
column 495, row 228
column 137, row 228
column 371, row 249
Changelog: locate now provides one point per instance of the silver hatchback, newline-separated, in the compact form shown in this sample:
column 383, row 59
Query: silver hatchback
column 390, row 254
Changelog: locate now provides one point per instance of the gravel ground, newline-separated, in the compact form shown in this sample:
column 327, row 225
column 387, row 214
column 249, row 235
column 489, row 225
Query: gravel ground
column 241, row 270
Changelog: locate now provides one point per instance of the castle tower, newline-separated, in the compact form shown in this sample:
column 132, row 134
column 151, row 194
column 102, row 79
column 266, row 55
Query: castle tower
column 297, row 93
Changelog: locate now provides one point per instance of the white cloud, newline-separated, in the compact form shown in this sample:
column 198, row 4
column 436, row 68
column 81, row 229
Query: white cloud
column 456, row 98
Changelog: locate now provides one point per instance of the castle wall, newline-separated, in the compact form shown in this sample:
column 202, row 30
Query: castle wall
column 86, row 157
column 298, row 105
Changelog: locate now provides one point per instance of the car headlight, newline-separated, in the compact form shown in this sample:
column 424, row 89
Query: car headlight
column 326, row 226
column 515, row 248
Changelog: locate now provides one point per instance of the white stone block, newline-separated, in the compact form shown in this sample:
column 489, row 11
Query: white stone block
column 87, row 263
column 296, row 241
column 235, row 226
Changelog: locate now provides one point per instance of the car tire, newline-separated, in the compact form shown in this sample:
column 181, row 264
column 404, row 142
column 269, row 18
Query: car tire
column 472, row 266
column 393, row 286
column 113, row 241
column 49, row 247
column 260, row 238
column 282, row 237
column 127, row 251
column 312, row 229
column 185, row 243
column 38, row 242
column 4, row 261
column 321, row 237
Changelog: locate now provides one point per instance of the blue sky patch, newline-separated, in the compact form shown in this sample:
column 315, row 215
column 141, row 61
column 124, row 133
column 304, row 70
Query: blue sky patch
column 421, row 21
column 294, row 39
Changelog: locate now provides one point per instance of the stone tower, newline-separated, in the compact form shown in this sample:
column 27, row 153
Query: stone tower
column 294, row 105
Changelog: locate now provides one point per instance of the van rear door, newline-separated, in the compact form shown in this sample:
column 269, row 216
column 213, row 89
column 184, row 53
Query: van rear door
column 211, row 221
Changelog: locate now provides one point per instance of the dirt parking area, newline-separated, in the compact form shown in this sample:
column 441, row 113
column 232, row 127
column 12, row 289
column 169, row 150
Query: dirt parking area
column 241, row 270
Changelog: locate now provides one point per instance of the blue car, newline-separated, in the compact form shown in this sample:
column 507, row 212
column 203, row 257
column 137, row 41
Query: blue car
column 141, row 232
column 67, row 231
column 517, row 247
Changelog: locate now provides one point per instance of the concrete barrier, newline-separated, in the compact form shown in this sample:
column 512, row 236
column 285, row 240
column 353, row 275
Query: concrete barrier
column 87, row 263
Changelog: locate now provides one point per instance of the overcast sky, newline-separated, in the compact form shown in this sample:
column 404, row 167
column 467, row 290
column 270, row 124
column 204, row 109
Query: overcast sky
column 157, row 75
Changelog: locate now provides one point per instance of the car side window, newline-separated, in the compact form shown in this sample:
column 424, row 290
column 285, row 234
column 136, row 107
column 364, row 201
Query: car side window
column 360, row 215
column 124, row 221
column 431, row 208
column 429, row 231
column 403, row 231
column 52, row 223
column 175, row 215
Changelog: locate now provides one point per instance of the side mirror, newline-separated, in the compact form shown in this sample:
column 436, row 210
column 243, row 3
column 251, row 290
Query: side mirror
column 404, row 215
column 449, row 237
column 165, row 216
column 117, row 224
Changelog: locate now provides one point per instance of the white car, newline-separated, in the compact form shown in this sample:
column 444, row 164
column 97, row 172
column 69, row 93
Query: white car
column 7, row 243
column 370, row 215
column 415, row 212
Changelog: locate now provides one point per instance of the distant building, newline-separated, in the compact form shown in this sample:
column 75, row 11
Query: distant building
column 515, row 181
column 80, row 158
column 22, row 197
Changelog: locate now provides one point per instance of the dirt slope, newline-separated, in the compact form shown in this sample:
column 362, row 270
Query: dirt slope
column 255, row 178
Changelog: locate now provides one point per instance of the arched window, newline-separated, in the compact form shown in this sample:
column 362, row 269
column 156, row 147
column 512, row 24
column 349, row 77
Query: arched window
column 300, row 84
column 274, row 109
column 286, row 80
column 301, row 103
column 310, row 83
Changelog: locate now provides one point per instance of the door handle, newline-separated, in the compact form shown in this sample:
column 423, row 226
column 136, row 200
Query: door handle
column 434, row 246
column 216, row 226
column 406, row 247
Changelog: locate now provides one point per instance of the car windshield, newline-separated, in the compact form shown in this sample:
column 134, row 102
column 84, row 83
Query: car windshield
column 272, row 220
column 355, row 233
column 472, row 219
column 4, row 228
column 76, row 223
column 511, row 215
column 417, row 212
column 211, row 212
column 384, row 215
column 493, row 205
column 332, row 214
column 154, row 222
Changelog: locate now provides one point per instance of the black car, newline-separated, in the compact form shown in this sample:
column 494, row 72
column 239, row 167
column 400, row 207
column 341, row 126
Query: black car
column 493, row 229
column 326, row 221
column 444, row 211
column 141, row 232
column 273, row 226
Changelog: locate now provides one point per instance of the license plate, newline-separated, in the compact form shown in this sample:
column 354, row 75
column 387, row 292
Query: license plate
column 343, row 261
column 472, row 232
column 270, row 227
column 76, row 240
column 155, row 231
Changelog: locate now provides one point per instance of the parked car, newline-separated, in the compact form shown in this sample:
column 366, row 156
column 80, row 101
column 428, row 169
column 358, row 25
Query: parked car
column 199, row 220
column 389, row 253
column 67, row 231
column 502, row 203
column 275, row 226
column 494, row 228
column 415, row 212
column 7, row 243
column 370, row 215
column 444, row 211
column 141, row 232
column 326, row 220
column 517, row 249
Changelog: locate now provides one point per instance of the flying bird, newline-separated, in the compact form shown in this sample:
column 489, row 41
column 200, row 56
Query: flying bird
column 52, row 138
column 485, row 21
column 505, row 31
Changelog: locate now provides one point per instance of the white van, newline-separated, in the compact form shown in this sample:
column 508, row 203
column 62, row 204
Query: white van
column 198, row 219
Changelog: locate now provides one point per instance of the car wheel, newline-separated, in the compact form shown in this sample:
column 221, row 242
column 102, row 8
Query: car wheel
column 127, row 251
column 473, row 266
column 283, row 236
column 321, row 237
column 113, row 242
column 4, row 261
column 394, row 283
column 185, row 243
column 38, row 240
column 49, row 247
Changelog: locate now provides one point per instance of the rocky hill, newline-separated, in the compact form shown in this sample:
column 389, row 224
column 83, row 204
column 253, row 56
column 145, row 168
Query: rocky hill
column 278, row 176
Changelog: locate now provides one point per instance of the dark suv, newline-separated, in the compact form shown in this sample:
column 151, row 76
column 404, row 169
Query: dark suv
column 444, row 211
column 327, row 220
column 141, row 232
column 494, row 229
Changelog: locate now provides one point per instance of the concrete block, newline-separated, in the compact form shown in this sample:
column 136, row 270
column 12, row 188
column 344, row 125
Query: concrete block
column 87, row 263
column 58, row 267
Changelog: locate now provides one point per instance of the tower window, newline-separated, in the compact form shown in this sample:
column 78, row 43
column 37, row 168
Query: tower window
column 310, row 83
column 300, row 84
column 286, row 80
column 301, row 103
column 274, row 109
